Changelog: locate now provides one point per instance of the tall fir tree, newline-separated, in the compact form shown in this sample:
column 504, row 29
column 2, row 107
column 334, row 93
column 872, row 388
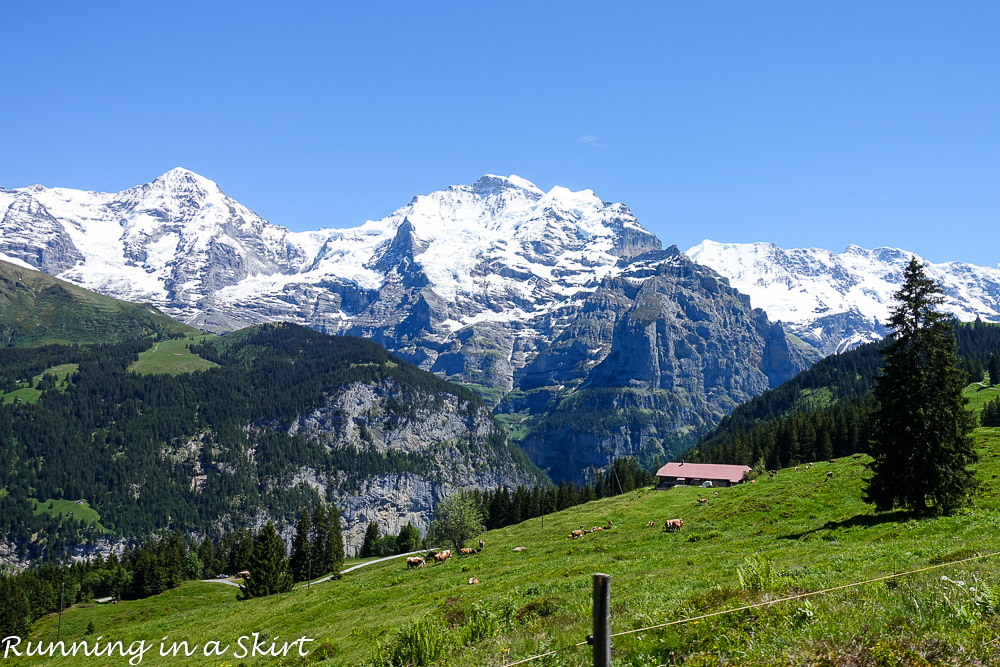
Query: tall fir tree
column 333, row 543
column 994, row 369
column 300, row 562
column 319, row 527
column 370, row 545
column 920, row 446
column 268, row 566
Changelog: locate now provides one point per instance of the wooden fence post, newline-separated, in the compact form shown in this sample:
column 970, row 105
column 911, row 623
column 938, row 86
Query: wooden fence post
column 602, row 620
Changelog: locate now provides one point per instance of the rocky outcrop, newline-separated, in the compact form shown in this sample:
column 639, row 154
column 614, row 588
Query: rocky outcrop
column 676, row 348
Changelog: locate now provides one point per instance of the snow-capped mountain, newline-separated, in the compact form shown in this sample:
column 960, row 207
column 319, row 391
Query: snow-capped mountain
column 497, row 284
column 837, row 301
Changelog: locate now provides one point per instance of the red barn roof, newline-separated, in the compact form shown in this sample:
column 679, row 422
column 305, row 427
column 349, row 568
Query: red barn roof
column 706, row 471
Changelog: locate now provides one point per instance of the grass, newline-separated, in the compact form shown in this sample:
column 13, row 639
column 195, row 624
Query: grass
column 172, row 357
column 30, row 394
column 81, row 512
column 980, row 395
column 794, row 533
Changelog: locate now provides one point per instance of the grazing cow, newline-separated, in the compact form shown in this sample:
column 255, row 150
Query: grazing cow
column 796, row 468
column 650, row 524
column 414, row 561
column 518, row 549
column 467, row 551
column 703, row 500
column 829, row 474
column 833, row 460
column 442, row 556
column 242, row 575
column 673, row 525
column 576, row 534
column 473, row 581
column 481, row 544
column 715, row 493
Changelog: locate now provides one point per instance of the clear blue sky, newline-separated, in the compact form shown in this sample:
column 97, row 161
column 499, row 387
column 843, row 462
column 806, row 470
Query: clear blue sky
column 803, row 123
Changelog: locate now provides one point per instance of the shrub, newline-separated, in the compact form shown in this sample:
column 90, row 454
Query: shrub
column 757, row 574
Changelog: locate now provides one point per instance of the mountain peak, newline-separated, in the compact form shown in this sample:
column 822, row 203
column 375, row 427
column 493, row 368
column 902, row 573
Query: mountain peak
column 180, row 178
column 490, row 184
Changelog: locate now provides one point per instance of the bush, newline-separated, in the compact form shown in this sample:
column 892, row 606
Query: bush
column 757, row 574
column 419, row 643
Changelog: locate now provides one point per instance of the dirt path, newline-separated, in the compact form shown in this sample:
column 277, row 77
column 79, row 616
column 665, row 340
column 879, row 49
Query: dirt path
column 329, row 576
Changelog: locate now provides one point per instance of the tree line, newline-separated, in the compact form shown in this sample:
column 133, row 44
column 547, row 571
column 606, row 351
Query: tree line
column 826, row 411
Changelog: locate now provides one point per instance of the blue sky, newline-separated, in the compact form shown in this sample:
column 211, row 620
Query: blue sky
column 801, row 123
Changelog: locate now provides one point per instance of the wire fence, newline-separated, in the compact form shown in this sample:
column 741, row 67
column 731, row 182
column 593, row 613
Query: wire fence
column 767, row 603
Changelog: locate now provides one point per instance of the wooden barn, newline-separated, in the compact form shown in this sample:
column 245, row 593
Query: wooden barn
column 697, row 474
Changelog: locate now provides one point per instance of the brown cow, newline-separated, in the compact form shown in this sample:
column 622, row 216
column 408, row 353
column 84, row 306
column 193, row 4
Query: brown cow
column 465, row 551
column 650, row 524
column 575, row 534
column 442, row 556
column 414, row 561
column 703, row 500
column 242, row 575
column 673, row 525
column 518, row 549
column 473, row 581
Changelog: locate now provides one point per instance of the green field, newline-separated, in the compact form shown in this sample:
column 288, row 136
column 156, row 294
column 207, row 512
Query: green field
column 812, row 532
column 172, row 357
column 30, row 394
column 81, row 512
column 980, row 395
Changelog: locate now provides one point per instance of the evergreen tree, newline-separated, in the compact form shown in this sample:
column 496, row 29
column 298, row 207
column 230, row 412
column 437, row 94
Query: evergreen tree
column 268, row 566
column 920, row 446
column 990, row 415
column 409, row 538
column 994, row 369
column 300, row 563
column 319, row 555
column 370, row 545
column 333, row 543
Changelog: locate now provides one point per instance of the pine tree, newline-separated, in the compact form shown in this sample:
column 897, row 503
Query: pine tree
column 319, row 527
column 268, row 566
column 370, row 545
column 408, row 539
column 300, row 563
column 333, row 543
column 920, row 446
column 994, row 369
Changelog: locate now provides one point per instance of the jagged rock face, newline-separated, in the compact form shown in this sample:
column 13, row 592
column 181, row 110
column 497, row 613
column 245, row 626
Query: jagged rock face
column 451, row 444
column 677, row 348
column 837, row 301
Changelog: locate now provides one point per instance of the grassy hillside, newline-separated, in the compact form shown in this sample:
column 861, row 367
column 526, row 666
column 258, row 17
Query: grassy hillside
column 37, row 309
column 173, row 357
column 795, row 533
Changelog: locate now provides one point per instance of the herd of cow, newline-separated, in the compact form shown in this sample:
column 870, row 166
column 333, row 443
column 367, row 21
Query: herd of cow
column 441, row 556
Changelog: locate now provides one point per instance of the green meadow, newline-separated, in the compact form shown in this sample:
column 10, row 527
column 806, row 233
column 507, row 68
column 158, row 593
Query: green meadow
column 173, row 357
column 30, row 394
column 932, row 595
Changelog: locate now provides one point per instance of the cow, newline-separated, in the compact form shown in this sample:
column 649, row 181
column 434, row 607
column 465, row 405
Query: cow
column 242, row 575
column 650, row 524
column 414, row 561
column 703, row 500
column 519, row 549
column 576, row 534
column 833, row 460
column 673, row 525
column 473, row 581
column 465, row 551
column 442, row 556
column 481, row 545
